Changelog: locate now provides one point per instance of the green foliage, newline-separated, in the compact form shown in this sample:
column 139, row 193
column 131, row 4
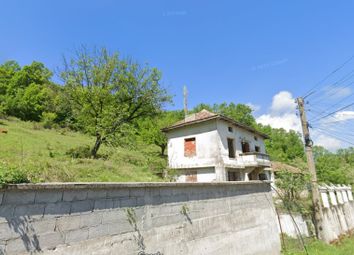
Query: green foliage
column 11, row 175
column 239, row 112
column 337, row 168
column 291, row 185
column 25, row 92
column 107, row 92
column 282, row 145
column 150, row 128
column 48, row 119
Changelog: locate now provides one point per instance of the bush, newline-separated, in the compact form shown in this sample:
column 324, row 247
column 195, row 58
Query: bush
column 12, row 175
column 79, row 152
column 48, row 119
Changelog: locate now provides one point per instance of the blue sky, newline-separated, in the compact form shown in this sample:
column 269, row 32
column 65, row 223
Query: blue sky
column 233, row 51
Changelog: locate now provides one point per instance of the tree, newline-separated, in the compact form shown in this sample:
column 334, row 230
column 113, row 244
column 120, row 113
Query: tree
column 333, row 167
column 150, row 128
column 282, row 145
column 239, row 112
column 291, row 185
column 25, row 92
column 107, row 92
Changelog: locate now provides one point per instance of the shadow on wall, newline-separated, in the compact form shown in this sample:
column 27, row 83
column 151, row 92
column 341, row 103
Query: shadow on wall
column 23, row 227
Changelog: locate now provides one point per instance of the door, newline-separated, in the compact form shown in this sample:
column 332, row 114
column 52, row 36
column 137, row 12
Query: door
column 191, row 176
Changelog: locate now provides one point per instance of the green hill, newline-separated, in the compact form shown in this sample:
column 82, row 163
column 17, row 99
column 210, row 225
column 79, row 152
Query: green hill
column 44, row 154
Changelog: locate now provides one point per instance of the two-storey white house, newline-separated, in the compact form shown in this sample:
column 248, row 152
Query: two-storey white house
column 207, row 147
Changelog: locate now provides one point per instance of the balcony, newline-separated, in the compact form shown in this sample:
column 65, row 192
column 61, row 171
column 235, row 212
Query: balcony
column 255, row 159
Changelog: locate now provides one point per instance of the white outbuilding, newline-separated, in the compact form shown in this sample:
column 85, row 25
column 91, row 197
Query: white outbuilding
column 207, row 147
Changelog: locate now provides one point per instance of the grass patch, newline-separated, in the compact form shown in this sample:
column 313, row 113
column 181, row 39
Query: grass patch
column 344, row 246
column 51, row 155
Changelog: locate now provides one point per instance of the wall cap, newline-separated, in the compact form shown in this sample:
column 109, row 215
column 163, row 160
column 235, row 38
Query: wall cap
column 106, row 185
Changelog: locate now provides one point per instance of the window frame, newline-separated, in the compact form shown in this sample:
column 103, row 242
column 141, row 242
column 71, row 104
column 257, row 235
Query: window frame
column 194, row 152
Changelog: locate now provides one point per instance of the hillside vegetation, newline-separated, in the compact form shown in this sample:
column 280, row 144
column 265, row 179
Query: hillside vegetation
column 44, row 155
column 103, row 123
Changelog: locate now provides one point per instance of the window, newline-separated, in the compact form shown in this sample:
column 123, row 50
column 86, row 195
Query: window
column 234, row 176
column 191, row 176
column 245, row 147
column 257, row 149
column 189, row 147
column 230, row 129
column 230, row 145
column 255, row 138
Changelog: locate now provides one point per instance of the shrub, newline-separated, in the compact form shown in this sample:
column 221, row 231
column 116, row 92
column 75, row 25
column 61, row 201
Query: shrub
column 12, row 175
column 48, row 119
column 79, row 152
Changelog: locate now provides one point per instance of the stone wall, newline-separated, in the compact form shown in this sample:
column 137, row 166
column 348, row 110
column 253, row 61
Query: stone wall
column 128, row 218
column 338, row 211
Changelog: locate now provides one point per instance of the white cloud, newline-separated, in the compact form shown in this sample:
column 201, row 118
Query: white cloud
column 282, row 114
column 282, row 103
column 329, row 143
column 337, row 92
column 254, row 107
column 287, row 121
column 344, row 115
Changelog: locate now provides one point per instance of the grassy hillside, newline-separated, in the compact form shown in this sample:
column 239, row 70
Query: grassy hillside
column 42, row 153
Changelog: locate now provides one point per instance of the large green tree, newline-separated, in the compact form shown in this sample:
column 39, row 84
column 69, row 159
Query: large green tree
column 25, row 92
column 108, row 92
column 150, row 128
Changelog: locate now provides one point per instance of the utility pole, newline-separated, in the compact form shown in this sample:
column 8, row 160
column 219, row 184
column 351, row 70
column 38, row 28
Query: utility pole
column 312, row 169
column 185, row 95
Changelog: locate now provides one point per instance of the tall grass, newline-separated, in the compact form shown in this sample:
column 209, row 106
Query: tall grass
column 43, row 155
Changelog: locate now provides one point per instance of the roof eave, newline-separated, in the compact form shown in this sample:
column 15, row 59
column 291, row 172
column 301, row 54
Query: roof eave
column 219, row 116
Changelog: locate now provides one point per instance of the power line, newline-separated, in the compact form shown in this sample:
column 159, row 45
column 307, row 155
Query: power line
column 341, row 80
column 327, row 94
column 311, row 91
column 330, row 107
column 334, row 136
column 329, row 114
column 339, row 132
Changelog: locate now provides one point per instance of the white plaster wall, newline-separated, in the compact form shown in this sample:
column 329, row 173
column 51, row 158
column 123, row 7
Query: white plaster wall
column 207, row 142
column 203, row 174
column 238, row 134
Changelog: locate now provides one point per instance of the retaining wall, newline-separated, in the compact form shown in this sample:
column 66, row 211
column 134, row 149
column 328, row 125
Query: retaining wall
column 128, row 218
column 293, row 225
column 338, row 211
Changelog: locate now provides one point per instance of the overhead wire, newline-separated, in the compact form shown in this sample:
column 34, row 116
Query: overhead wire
column 334, row 136
column 331, row 113
column 311, row 91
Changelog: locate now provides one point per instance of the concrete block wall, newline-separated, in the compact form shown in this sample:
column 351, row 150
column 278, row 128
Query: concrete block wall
column 128, row 218
column 293, row 225
column 338, row 211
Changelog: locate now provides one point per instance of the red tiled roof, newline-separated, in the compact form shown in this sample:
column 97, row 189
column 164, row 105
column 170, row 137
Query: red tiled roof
column 205, row 115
